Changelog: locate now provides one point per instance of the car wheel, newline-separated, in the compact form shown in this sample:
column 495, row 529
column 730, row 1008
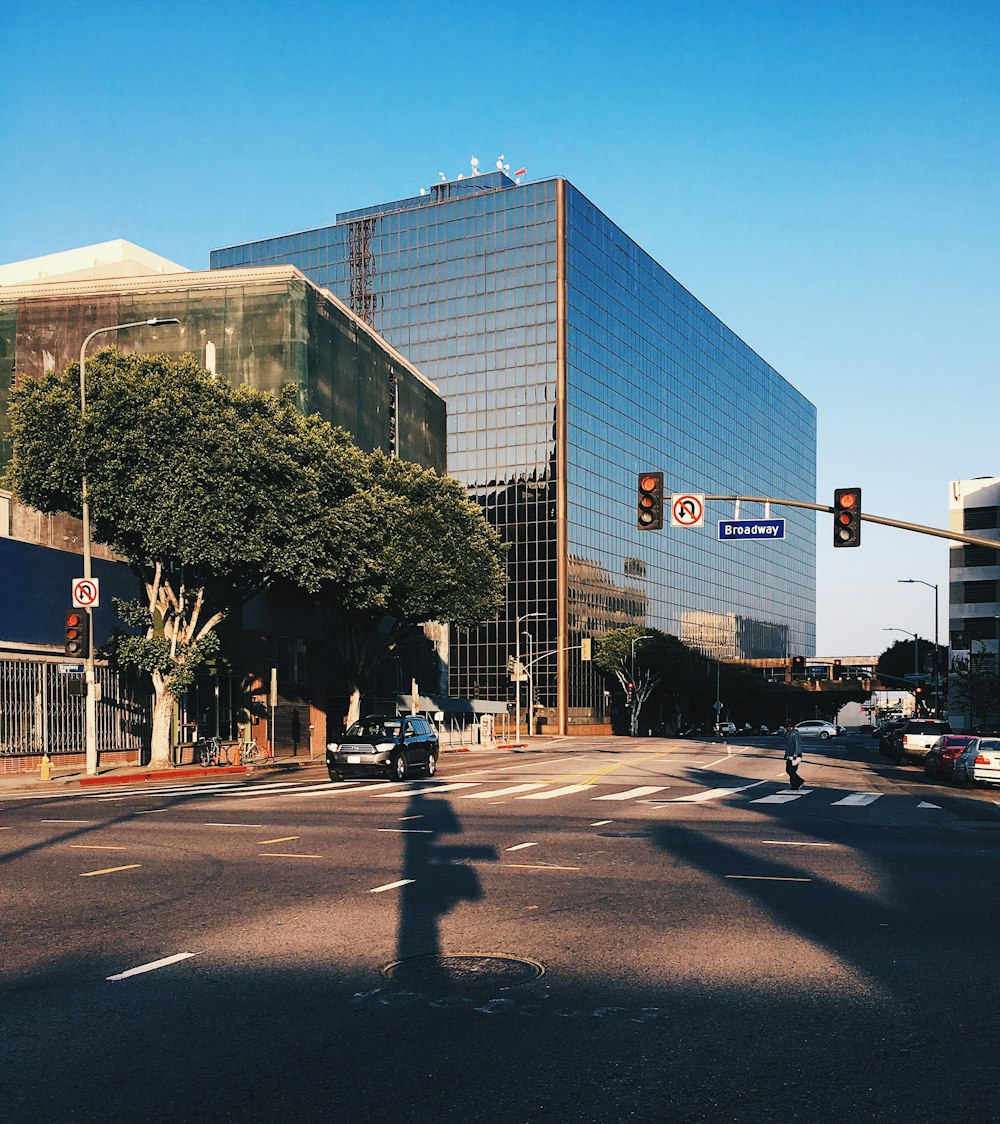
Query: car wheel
column 824, row 736
column 432, row 763
column 397, row 767
column 334, row 775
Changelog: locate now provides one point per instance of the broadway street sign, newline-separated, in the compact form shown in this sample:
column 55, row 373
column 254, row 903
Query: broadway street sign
column 732, row 529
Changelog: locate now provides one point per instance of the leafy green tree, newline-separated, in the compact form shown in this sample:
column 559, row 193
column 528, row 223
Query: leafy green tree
column 974, row 687
column 209, row 492
column 428, row 555
column 627, row 654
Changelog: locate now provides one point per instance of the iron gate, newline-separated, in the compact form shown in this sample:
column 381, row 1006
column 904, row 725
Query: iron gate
column 41, row 713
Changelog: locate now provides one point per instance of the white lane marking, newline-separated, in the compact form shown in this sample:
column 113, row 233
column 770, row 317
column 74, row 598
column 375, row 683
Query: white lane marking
column 631, row 793
column 857, row 799
column 504, row 791
column 712, row 794
column 407, row 830
column 392, row 885
column 67, row 821
column 601, row 823
column 795, row 843
column 336, row 789
column 520, row 846
column 183, row 790
column 259, row 825
column 430, row 791
column 152, row 966
column 926, row 804
column 294, row 790
column 564, row 791
column 777, row 798
column 527, row 765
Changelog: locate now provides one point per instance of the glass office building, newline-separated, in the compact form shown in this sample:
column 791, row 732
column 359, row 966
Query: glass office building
column 571, row 361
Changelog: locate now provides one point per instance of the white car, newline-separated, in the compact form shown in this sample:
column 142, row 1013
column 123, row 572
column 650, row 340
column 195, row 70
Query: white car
column 725, row 728
column 979, row 763
column 816, row 728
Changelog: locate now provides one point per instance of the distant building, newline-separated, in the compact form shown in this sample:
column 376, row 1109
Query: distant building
column 571, row 361
column 974, row 594
column 261, row 327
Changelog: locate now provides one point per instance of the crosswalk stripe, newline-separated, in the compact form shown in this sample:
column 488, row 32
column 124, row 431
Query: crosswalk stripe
column 556, row 792
column 431, row 791
column 632, row 793
column 493, row 792
column 857, row 799
column 712, row 794
column 777, row 798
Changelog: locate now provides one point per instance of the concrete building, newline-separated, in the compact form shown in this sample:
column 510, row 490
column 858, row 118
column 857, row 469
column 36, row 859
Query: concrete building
column 264, row 327
column 974, row 602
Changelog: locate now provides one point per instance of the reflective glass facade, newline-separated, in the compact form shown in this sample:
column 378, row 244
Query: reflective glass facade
column 566, row 354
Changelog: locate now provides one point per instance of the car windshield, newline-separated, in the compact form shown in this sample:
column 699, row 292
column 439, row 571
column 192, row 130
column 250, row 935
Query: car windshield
column 992, row 744
column 374, row 728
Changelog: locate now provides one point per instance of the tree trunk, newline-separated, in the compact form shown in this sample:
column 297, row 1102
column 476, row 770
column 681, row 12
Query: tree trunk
column 163, row 711
column 354, row 707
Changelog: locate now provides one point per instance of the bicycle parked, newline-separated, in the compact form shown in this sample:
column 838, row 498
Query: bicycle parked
column 210, row 752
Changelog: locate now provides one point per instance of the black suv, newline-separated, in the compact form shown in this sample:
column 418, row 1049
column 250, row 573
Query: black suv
column 380, row 744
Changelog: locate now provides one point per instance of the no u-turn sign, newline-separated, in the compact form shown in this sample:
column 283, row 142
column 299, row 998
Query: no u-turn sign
column 687, row 510
column 86, row 593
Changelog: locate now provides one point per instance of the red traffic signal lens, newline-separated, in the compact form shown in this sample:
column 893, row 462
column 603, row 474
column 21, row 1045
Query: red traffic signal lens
column 847, row 500
column 648, row 483
column 73, row 620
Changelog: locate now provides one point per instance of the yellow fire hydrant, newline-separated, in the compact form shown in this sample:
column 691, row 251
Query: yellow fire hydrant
column 46, row 769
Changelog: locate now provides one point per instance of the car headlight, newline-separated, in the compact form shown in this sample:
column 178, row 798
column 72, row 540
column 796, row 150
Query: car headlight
column 332, row 746
column 383, row 747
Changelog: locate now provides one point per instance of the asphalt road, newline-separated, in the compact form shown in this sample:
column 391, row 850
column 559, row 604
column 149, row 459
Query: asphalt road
column 648, row 930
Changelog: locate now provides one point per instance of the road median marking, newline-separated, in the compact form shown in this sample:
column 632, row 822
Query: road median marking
column 537, row 866
column 110, row 870
column 287, row 855
column 94, row 847
column 283, row 839
column 765, row 878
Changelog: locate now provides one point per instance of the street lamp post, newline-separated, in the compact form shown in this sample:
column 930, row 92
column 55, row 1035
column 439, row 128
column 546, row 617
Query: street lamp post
column 917, row 581
column 916, row 660
column 91, row 676
column 518, row 671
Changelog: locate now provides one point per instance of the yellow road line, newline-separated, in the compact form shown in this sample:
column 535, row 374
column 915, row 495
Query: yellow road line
column 94, row 847
column 594, row 777
column 110, row 870
column 283, row 839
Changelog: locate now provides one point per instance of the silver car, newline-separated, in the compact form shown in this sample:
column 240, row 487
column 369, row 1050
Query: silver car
column 816, row 728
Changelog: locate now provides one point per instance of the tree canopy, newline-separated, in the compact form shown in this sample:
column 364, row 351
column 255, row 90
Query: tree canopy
column 212, row 492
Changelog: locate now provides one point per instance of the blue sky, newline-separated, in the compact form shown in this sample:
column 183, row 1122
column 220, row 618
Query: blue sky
column 825, row 177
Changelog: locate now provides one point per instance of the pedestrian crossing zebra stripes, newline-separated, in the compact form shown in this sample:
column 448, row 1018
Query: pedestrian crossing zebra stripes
column 650, row 796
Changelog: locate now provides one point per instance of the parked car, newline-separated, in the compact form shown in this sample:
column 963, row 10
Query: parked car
column 978, row 763
column 384, row 744
column 724, row 728
column 816, row 728
column 913, row 738
column 940, row 760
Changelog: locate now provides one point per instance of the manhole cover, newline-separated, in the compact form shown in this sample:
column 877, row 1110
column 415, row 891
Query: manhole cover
column 463, row 971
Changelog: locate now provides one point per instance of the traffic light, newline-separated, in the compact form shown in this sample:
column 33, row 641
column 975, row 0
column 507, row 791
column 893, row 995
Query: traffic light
column 847, row 517
column 837, row 670
column 628, row 693
column 798, row 667
column 76, row 633
column 649, row 513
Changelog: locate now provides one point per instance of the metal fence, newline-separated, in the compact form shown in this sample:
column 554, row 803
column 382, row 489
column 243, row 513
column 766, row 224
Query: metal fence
column 42, row 711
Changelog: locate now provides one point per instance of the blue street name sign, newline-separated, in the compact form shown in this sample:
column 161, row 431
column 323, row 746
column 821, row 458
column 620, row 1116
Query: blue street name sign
column 730, row 529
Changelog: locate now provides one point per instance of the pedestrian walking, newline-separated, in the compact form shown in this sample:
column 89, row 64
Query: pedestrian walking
column 793, row 759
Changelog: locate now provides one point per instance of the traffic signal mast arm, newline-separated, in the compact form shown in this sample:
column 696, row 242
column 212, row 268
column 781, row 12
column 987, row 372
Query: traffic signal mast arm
column 955, row 536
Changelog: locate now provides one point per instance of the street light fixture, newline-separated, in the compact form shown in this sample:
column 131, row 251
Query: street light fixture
column 916, row 659
column 930, row 585
column 518, row 672
column 91, row 677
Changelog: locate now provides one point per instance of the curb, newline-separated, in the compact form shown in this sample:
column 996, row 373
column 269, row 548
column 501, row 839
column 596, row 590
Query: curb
column 163, row 775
